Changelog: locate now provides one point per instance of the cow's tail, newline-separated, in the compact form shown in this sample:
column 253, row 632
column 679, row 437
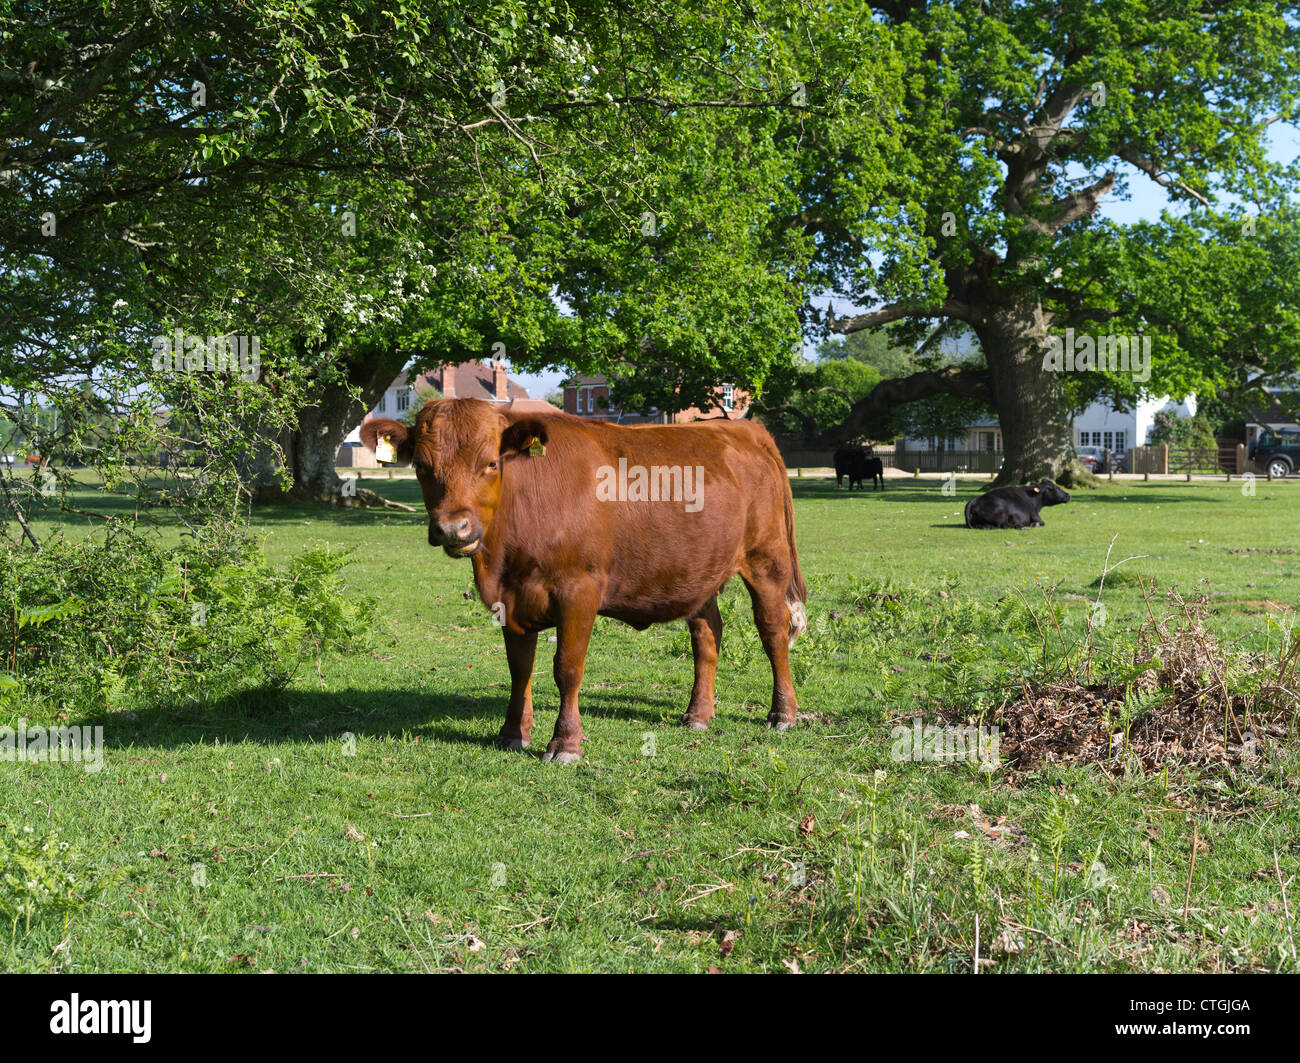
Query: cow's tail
column 797, row 593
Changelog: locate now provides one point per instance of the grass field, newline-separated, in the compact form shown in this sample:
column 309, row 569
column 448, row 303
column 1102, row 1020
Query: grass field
column 361, row 820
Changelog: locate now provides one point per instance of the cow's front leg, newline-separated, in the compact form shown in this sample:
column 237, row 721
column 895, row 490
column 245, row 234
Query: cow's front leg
column 573, row 634
column 706, row 641
column 521, row 650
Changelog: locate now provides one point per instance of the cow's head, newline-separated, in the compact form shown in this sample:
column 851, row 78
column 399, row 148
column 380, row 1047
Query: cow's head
column 1052, row 493
column 460, row 449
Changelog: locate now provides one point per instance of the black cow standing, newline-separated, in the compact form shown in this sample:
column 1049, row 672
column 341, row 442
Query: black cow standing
column 1014, row 507
column 858, row 464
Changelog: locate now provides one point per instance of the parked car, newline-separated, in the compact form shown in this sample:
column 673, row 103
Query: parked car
column 1277, row 452
column 1094, row 459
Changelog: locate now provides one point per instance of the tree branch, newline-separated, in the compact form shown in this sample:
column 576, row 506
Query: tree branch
column 1149, row 167
column 964, row 381
column 897, row 311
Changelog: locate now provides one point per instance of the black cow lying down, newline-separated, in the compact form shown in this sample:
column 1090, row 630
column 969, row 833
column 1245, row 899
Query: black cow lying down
column 1014, row 507
column 858, row 465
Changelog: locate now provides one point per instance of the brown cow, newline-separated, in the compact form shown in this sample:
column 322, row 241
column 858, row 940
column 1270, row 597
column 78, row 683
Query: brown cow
column 567, row 519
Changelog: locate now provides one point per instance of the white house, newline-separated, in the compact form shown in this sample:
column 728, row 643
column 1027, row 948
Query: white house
column 1100, row 425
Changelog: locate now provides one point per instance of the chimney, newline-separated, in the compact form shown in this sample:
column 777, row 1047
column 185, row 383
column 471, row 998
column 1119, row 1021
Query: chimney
column 499, row 381
column 448, row 375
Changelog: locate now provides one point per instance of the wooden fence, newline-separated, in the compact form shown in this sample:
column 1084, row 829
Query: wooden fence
column 965, row 461
column 1229, row 457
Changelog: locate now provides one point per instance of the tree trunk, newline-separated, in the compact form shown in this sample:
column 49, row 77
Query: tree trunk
column 308, row 451
column 315, row 443
column 1030, row 400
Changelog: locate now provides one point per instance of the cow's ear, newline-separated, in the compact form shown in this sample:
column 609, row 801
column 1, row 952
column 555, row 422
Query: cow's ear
column 383, row 433
column 525, row 436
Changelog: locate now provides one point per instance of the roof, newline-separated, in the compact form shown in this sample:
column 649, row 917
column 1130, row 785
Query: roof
column 1272, row 414
column 527, row 405
column 473, row 380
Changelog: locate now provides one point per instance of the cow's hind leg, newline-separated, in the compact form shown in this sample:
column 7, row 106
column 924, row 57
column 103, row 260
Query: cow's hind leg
column 573, row 634
column 706, row 641
column 521, row 650
column 773, row 618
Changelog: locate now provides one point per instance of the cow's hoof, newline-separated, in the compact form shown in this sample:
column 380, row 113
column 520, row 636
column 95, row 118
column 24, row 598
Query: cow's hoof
column 512, row 743
column 695, row 724
column 779, row 724
column 561, row 756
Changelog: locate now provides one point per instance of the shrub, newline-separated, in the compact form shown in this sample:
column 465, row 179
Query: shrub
column 116, row 619
column 1194, row 433
column 38, row 879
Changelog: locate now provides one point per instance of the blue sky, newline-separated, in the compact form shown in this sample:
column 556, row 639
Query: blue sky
column 1145, row 201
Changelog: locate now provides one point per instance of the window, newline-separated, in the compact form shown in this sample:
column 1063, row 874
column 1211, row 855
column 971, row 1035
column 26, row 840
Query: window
column 382, row 405
column 1119, row 442
column 1083, row 439
column 1096, row 439
column 591, row 400
column 404, row 400
column 1109, row 438
column 728, row 396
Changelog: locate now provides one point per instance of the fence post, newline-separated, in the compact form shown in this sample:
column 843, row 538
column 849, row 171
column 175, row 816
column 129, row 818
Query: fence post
column 1164, row 459
column 1241, row 458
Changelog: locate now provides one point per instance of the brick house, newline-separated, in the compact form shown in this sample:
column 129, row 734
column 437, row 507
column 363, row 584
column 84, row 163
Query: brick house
column 589, row 396
column 468, row 380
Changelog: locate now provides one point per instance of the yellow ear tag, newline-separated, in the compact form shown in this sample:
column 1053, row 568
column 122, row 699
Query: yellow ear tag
column 536, row 449
column 384, row 452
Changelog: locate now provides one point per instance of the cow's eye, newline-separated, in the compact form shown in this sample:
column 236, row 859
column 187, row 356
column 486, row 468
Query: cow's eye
column 489, row 468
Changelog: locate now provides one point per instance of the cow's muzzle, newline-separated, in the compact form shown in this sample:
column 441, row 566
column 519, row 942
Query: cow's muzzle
column 462, row 537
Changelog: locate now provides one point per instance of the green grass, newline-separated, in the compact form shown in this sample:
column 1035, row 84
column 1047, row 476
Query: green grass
column 256, row 835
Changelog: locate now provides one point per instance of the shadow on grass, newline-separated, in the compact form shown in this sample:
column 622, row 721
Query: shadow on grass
column 908, row 490
column 93, row 499
column 270, row 716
